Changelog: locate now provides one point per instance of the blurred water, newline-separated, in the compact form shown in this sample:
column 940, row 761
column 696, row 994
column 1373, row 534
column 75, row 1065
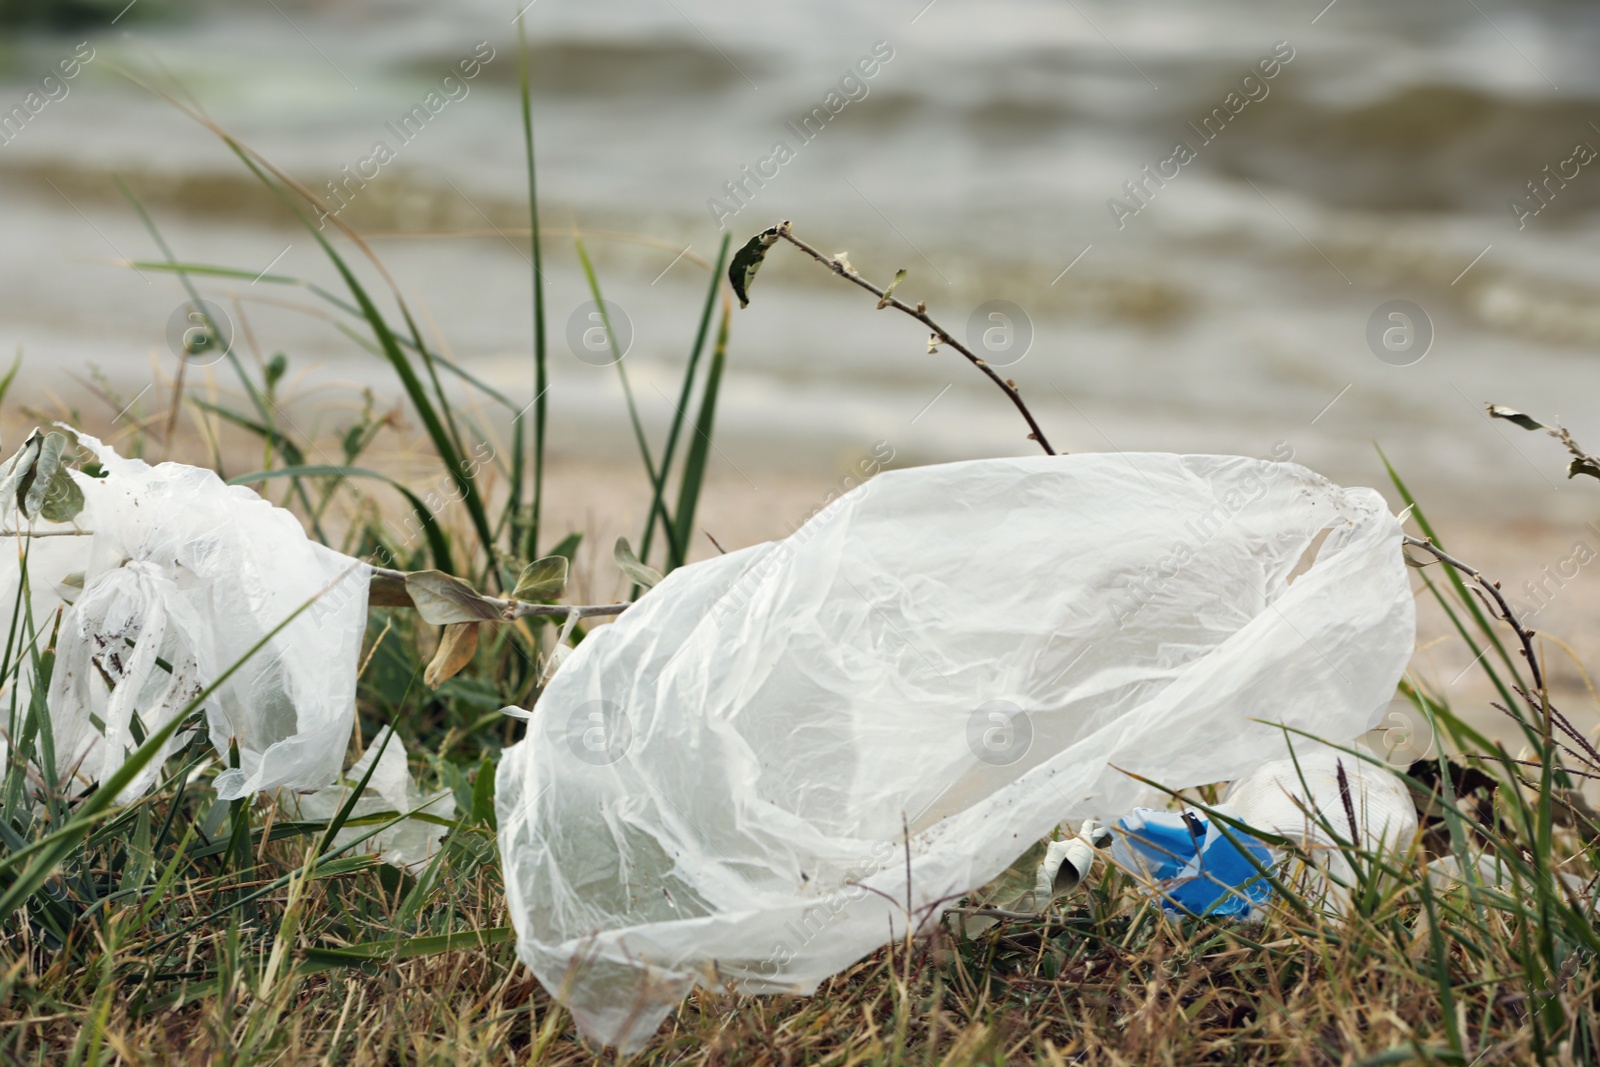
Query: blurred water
column 1227, row 310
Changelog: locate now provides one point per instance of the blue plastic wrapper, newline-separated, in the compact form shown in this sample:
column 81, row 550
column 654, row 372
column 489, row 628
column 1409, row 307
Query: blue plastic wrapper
column 1188, row 861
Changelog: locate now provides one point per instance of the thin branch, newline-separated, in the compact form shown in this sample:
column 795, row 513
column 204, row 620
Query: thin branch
column 1524, row 635
column 1509, row 617
column 1566, row 727
column 920, row 313
column 507, row 608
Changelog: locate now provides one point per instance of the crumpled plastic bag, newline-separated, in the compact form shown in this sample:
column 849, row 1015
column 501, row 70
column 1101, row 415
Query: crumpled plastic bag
column 408, row 844
column 728, row 784
column 182, row 576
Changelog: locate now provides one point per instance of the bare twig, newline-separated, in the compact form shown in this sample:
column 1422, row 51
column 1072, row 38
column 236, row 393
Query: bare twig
column 1582, row 462
column 1591, row 754
column 940, row 334
column 1524, row 635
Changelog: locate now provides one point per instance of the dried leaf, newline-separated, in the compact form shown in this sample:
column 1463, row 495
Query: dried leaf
column 1527, row 422
column 746, row 261
column 648, row 577
column 543, row 579
column 442, row 600
column 456, row 649
column 386, row 591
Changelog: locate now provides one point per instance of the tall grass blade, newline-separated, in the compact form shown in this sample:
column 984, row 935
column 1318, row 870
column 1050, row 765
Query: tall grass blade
column 657, row 476
column 11, row 375
column 541, row 380
column 441, row 437
column 684, row 395
column 694, row 464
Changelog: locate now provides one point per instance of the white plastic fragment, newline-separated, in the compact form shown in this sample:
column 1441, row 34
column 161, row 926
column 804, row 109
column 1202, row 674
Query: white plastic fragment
column 728, row 785
column 113, row 635
column 1301, row 798
column 1293, row 797
column 409, row 844
column 1064, row 866
column 182, row 575
column 1067, row 864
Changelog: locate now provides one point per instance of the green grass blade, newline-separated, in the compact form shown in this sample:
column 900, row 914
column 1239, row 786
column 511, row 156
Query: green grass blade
column 657, row 477
column 684, row 395
column 277, row 439
column 331, row 298
column 5, row 383
column 51, row 850
column 694, row 464
column 48, row 852
column 349, row 806
column 441, row 438
column 406, row 948
column 541, row 380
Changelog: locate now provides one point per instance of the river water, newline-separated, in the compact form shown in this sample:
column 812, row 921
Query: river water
column 1297, row 169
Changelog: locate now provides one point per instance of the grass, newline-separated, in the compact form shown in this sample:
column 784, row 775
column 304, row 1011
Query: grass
column 180, row 928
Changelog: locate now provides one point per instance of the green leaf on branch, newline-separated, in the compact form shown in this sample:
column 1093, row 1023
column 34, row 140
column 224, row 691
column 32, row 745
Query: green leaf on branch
column 64, row 500
column 1583, row 466
column 442, row 599
column 888, row 294
column 641, row 574
column 543, row 579
column 50, row 492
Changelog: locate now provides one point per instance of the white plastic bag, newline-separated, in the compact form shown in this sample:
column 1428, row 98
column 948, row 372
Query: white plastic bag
column 755, row 775
column 1301, row 798
column 191, row 572
column 53, row 562
column 409, row 844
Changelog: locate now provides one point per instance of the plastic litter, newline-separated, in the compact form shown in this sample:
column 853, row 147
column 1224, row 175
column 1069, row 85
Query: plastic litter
column 408, row 844
column 1295, row 797
column 179, row 577
column 781, row 758
column 1302, row 799
column 1068, row 864
column 1051, row 870
column 1186, row 859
